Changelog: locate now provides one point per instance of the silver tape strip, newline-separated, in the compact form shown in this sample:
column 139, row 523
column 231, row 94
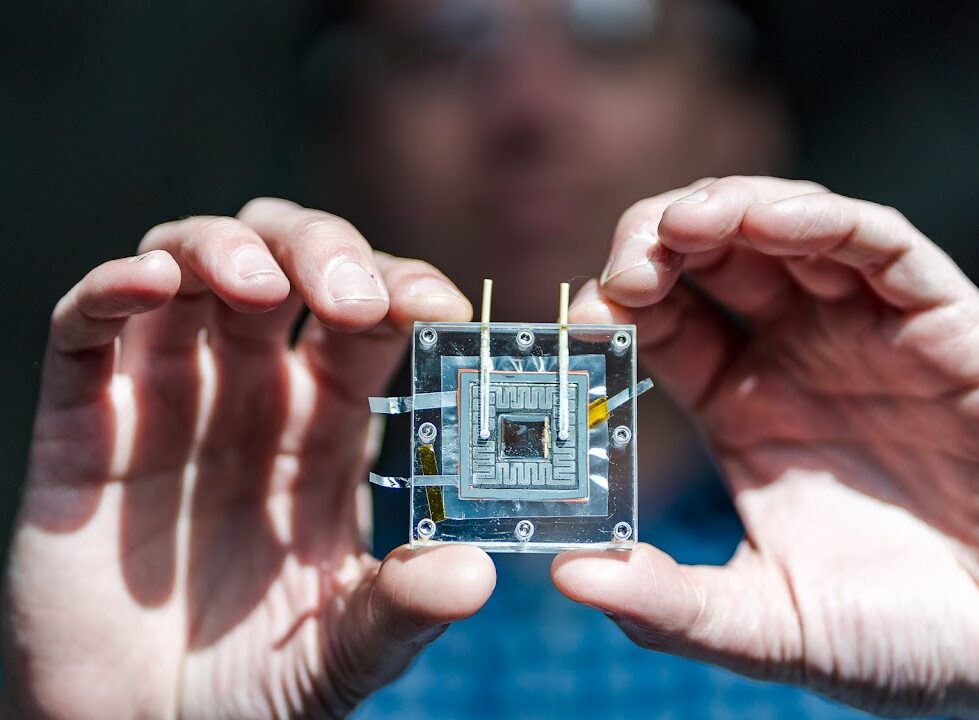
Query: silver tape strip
column 400, row 483
column 621, row 398
column 407, row 403
column 396, row 483
column 435, row 481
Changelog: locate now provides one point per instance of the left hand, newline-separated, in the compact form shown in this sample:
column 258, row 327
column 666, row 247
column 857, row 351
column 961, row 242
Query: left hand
column 844, row 412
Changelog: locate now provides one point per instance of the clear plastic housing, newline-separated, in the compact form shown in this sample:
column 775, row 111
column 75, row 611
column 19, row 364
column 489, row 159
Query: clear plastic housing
column 523, row 488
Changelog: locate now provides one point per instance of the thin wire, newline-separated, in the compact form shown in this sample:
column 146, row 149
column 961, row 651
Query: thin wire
column 563, row 428
column 484, row 361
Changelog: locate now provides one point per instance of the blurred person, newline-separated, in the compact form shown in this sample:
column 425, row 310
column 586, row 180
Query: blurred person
column 190, row 541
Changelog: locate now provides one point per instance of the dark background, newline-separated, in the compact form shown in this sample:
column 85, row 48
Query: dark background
column 117, row 115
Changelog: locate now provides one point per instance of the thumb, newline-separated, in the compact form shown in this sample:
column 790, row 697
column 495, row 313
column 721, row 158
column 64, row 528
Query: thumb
column 741, row 616
column 396, row 612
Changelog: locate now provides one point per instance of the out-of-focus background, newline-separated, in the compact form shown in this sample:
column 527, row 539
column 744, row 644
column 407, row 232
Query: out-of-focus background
column 115, row 116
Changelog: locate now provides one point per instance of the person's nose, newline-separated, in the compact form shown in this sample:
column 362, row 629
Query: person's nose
column 526, row 94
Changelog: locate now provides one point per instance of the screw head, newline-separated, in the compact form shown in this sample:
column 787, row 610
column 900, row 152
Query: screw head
column 425, row 528
column 622, row 531
column 427, row 432
column 621, row 436
column 524, row 530
column 621, row 341
column 427, row 338
column 525, row 339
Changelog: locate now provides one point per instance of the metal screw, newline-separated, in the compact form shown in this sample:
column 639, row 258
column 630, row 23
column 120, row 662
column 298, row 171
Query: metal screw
column 427, row 432
column 427, row 338
column 621, row 341
column 622, row 531
column 426, row 528
column 621, row 436
column 524, row 530
column 525, row 339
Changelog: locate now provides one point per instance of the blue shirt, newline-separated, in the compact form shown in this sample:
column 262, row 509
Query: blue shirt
column 532, row 653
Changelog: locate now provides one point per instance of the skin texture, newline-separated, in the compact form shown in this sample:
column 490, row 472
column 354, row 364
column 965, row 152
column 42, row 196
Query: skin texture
column 189, row 543
column 843, row 408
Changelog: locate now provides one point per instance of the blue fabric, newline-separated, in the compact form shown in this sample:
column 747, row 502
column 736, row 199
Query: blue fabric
column 531, row 653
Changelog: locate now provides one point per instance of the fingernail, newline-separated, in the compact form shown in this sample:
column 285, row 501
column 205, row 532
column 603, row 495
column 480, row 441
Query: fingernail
column 432, row 287
column 694, row 198
column 633, row 253
column 349, row 281
column 144, row 256
column 251, row 261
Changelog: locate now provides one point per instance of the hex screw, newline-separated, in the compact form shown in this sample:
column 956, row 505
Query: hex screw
column 426, row 528
column 524, row 530
column 622, row 531
column 525, row 339
column 427, row 432
column 621, row 436
column 621, row 342
column 427, row 338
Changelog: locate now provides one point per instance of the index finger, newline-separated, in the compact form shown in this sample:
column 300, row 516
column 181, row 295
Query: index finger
column 328, row 261
column 695, row 228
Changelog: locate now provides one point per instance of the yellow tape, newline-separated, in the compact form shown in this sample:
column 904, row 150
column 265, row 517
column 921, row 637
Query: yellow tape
column 597, row 411
column 430, row 466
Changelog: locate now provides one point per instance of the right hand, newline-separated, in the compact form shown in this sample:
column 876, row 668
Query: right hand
column 190, row 538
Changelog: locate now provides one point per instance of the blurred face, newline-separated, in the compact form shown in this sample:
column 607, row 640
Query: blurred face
column 503, row 138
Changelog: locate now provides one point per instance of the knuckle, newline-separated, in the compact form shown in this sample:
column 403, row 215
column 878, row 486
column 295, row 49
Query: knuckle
column 734, row 181
column 812, row 186
column 218, row 230
column 60, row 310
column 263, row 206
column 895, row 216
column 154, row 236
column 410, row 266
column 325, row 229
column 257, row 204
column 637, row 213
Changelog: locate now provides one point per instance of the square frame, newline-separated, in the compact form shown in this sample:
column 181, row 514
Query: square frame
column 602, row 515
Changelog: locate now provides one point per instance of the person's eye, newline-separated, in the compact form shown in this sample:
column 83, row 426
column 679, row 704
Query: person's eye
column 447, row 37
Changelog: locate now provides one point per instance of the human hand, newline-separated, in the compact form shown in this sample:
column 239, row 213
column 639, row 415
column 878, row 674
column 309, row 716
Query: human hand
column 846, row 420
column 190, row 539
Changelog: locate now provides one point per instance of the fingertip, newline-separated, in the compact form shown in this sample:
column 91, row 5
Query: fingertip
column 423, row 295
column 591, row 307
column 640, row 271
column 438, row 585
column 432, row 299
column 131, row 285
column 641, row 285
column 163, row 271
column 351, row 298
column 700, row 222
column 621, row 583
column 257, row 293
column 586, row 576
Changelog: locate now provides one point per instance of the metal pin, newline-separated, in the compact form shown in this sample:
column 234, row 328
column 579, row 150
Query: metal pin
column 563, row 429
column 484, row 361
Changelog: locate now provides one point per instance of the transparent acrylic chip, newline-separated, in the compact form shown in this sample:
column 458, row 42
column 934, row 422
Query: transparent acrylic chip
column 523, row 488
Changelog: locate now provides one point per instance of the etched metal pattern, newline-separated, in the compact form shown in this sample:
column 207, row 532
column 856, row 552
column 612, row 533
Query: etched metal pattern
column 487, row 472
